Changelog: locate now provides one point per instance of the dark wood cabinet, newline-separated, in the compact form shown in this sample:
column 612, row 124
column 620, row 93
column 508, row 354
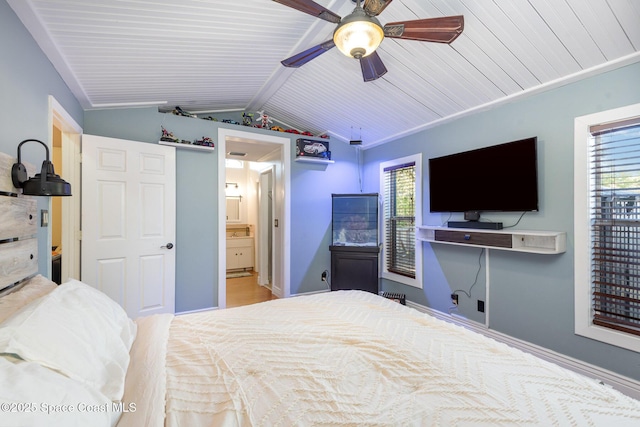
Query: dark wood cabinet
column 354, row 267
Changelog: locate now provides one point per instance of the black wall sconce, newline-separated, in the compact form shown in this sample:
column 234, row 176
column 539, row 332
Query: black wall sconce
column 45, row 183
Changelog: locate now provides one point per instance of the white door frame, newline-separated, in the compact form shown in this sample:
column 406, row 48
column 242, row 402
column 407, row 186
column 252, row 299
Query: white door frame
column 70, row 172
column 282, row 186
column 264, row 226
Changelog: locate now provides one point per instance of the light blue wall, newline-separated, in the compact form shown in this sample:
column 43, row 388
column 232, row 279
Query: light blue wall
column 27, row 78
column 197, row 201
column 531, row 296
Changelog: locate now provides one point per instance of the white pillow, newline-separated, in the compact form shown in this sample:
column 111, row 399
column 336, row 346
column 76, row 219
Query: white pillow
column 32, row 395
column 76, row 330
column 35, row 287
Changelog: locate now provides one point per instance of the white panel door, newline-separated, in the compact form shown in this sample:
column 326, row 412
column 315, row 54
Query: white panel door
column 128, row 222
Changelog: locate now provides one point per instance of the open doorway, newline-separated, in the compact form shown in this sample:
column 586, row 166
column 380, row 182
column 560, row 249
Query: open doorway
column 249, row 242
column 64, row 215
column 269, row 152
column 56, row 212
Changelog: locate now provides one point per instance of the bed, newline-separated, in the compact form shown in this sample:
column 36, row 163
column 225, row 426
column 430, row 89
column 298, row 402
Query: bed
column 69, row 356
column 346, row 358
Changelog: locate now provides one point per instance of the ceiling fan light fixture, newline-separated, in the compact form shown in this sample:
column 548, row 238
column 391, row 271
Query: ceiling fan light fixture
column 358, row 34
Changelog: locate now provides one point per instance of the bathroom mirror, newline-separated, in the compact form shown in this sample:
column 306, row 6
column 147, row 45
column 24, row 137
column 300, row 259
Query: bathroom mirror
column 233, row 209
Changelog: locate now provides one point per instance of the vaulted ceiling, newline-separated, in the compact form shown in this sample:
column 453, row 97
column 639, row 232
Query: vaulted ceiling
column 212, row 56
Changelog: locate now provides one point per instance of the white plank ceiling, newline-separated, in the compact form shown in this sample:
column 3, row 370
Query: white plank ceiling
column 224, row 55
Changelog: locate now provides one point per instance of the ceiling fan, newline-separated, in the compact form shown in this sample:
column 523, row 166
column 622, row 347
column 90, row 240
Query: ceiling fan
column 359, row 33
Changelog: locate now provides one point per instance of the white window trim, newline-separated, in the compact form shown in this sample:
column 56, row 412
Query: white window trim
column 582, row 230
column 417, row 281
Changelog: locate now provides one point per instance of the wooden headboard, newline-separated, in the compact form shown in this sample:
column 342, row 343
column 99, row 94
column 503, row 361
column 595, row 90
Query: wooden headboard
column 18, row 228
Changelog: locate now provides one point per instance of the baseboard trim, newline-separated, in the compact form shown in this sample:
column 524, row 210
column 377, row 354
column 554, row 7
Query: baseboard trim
column 625, row 385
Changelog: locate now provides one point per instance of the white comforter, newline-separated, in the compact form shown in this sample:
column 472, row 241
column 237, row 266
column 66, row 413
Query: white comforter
column 349, row 358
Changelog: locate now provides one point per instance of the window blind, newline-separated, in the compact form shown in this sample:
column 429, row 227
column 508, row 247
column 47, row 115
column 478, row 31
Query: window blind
column 615, row 219
column 399, row 219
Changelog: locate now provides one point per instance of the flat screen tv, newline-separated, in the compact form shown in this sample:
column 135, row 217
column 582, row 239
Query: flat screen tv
column 500, row 178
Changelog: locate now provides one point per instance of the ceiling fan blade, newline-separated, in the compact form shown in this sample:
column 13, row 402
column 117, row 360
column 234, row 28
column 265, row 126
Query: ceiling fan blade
column 302, row 58
column 374, row 7
column 312, row 8
column 439, row 30
column 372, row 67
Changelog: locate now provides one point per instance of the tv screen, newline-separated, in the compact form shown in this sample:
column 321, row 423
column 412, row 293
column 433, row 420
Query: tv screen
column 497, row 178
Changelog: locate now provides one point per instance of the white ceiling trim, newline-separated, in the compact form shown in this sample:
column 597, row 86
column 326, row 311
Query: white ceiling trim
column 25, row 12
column 562, row 81
column 221, row 56
column 281, row 74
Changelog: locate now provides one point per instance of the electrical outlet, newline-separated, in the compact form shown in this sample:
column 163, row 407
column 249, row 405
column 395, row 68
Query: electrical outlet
column 324, row 276
column 454, row 299
column 481, row 306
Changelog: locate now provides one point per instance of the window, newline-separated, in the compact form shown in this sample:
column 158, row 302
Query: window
column 402, row 253
column 607, row 226
column 234, row 163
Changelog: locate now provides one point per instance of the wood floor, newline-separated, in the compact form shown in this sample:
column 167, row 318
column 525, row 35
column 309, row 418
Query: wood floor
column 245, row 291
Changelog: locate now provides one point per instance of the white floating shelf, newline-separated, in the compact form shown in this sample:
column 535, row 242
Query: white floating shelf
column 538, row 242
column 302, row 159
column 187, row 146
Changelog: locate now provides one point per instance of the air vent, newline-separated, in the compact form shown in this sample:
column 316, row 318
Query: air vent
column 236, row 153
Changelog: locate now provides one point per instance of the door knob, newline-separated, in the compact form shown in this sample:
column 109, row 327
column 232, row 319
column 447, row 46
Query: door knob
column 167, row 246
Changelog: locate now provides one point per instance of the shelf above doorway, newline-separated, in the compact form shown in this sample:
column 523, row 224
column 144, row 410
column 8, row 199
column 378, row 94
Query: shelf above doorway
column 187, row 146
column 314, row 160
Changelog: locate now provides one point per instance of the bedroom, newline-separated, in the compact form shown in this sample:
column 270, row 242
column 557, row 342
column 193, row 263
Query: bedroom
column 531, row 297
